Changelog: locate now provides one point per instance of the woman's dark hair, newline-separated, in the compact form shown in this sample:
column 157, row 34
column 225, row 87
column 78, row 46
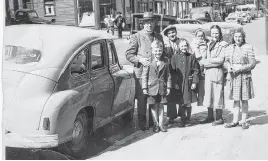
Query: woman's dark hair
column 240, row 30
column 219, row 29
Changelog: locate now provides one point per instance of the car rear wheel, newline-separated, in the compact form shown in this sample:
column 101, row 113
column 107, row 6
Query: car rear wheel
column 78, row 146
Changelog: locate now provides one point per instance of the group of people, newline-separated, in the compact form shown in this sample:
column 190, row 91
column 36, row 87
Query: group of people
column 118, row 21
column 174, row 74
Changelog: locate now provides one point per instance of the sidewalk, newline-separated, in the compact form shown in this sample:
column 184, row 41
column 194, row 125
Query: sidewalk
column 204, row 141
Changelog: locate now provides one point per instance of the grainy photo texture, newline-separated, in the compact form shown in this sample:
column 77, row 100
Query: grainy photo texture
column 135, row 79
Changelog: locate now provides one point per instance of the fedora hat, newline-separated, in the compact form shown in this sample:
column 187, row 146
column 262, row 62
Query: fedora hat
column 170, row 27
column 148, row 16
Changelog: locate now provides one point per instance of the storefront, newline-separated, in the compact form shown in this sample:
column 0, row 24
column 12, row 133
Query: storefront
column 71, row 12
column 178, row 8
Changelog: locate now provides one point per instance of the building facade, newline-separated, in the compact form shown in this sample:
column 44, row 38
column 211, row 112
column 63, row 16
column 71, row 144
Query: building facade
column 70, row 12
column 178, row 8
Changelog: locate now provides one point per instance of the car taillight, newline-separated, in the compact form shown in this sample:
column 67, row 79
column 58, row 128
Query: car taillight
column 46, row 123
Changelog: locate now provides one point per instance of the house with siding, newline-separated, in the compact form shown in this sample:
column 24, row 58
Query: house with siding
column 70, row 12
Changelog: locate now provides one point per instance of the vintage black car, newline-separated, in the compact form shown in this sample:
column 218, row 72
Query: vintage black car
column 162, row 22
column 29, row 16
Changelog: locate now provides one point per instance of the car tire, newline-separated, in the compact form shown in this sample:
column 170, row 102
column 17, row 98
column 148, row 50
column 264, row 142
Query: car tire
column 78, row 146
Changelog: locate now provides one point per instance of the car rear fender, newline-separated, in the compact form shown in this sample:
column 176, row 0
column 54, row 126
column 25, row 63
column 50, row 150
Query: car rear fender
column 62, row 109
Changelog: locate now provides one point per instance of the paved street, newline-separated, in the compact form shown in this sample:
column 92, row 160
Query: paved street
column 119, row 140
column 205, row 141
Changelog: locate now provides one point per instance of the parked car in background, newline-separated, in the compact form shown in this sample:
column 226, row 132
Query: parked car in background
column 60, row 84
column 246, row 17
column 250, row 9
column 205, row 14
column 162, row 22
column 189, row 21
column 234, row 18
column 29, row 16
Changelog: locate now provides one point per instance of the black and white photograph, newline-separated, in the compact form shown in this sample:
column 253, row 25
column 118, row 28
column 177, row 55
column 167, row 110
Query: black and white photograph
column 134, row 80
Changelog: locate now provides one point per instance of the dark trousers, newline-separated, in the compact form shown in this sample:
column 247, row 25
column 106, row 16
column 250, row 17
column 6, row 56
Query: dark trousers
column 119, row 30
column 142, row 103
column 141, row 98
column 172, row 110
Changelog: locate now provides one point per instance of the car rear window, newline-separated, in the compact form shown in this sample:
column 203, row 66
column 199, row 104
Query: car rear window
column 21, row 55
column 33, row 14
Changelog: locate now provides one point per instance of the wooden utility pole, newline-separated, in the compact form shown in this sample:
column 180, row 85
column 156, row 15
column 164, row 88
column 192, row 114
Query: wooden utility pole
column 124, row 8
column 96, row 4
column 266, row 25
column 8, row 15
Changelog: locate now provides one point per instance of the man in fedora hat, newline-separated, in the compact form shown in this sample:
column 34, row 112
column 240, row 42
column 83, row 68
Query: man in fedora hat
column 139, row 53
column 119, row 22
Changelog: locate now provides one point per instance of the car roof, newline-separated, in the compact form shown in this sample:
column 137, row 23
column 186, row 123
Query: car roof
column 25, row 10
column 56, row 43
column 223, row 25
column 187, row 20
column 140, row 15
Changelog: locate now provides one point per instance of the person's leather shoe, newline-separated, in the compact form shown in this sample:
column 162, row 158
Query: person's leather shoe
column 163, row 128
column 144, row 128
column 156, row 129
column 245, row 125
column 181, row 124
column 218, row 122
column 231, row 125
column 207, row 120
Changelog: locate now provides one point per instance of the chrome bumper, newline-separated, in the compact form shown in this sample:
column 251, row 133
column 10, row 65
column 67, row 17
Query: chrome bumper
column 32, row 141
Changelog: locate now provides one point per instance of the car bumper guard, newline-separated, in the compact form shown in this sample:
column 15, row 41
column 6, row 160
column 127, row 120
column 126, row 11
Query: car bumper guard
column 32, row 141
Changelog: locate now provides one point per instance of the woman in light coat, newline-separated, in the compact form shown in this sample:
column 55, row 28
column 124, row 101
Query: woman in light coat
column 213, row 64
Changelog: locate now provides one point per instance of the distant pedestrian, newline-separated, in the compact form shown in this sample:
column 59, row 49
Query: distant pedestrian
column 120, row 23
column 156, row 83
column 106, row 18
column 239, row 61
column 199, row 46
column 185, row 67
column 214, row 89
column 109, row 21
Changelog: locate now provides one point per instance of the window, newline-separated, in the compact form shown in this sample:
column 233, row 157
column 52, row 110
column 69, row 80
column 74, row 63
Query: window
column 97, row 60
column 21, row 15
column 112, row 54
column 49, row 6
column 33, row 14
column 21, row 55
column 79, row 63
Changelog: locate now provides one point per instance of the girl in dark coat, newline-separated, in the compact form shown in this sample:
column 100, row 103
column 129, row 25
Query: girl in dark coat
column 185, row 67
